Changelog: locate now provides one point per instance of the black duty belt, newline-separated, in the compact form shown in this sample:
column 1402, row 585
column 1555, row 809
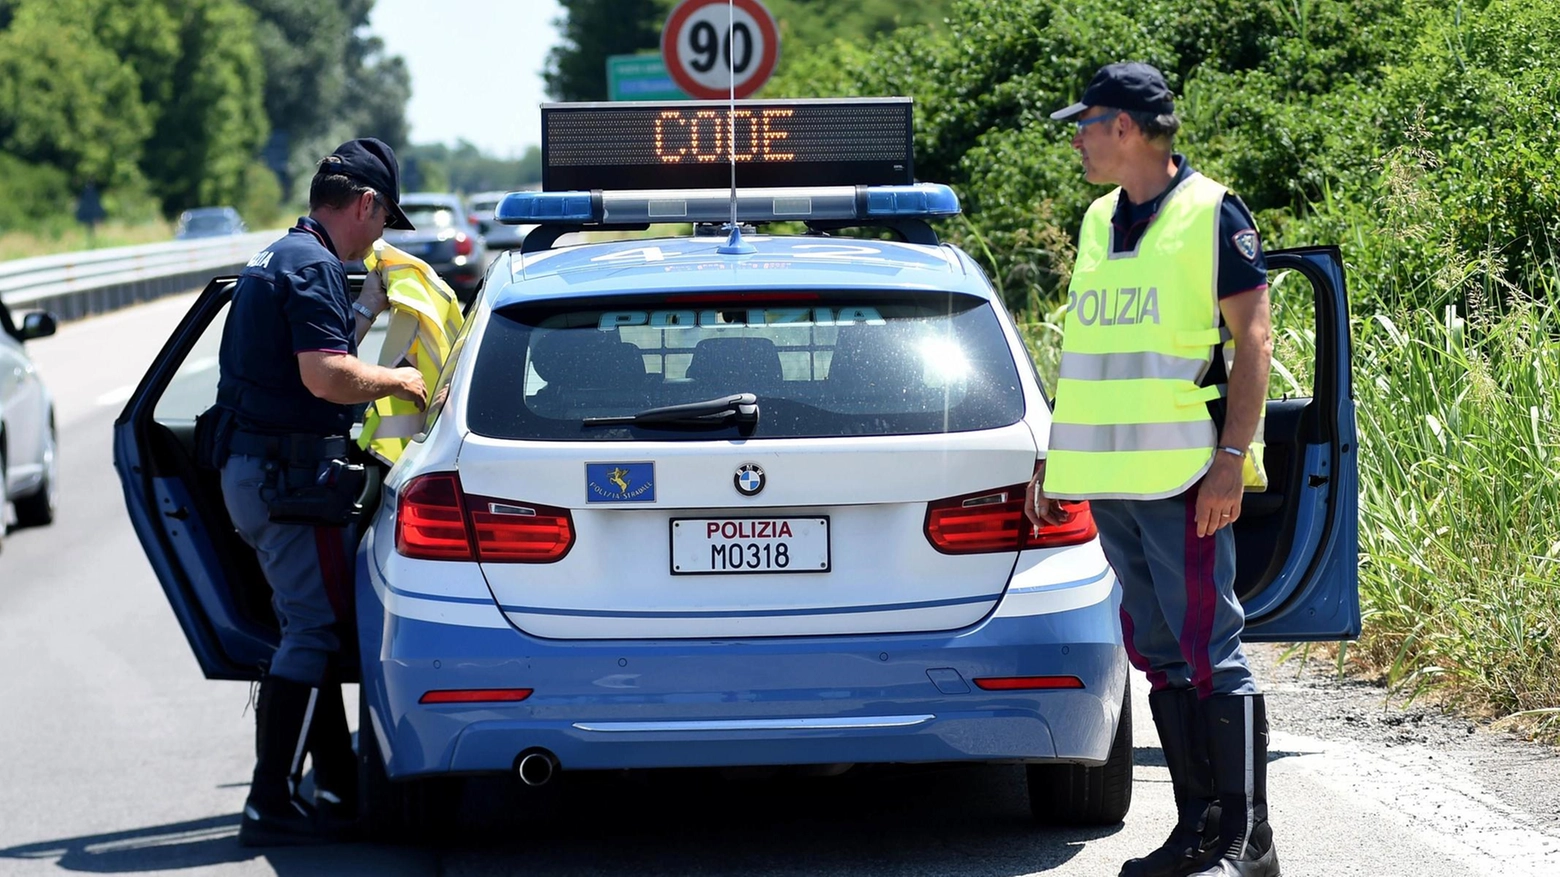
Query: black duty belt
column 299, row 447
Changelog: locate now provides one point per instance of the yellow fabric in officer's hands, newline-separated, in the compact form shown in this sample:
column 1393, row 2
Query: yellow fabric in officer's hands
column 425, row 318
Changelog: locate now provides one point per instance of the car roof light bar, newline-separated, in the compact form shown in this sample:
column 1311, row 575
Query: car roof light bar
column 811, row 204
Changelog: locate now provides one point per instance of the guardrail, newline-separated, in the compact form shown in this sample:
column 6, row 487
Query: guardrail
column 73, row 285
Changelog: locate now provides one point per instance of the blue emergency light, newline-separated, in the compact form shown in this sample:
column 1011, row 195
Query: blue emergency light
column 802, row 204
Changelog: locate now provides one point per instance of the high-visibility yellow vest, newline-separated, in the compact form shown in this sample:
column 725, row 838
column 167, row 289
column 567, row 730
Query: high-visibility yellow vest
column 1131, row 419
column 425, row 317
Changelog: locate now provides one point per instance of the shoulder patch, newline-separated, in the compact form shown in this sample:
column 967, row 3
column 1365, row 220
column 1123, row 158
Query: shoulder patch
column 1246, row 242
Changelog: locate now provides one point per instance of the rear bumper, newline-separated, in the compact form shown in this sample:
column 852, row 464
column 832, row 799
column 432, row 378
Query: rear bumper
column 700, row 703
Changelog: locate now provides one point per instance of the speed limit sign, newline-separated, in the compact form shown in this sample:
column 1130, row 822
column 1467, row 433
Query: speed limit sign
column 711, row 45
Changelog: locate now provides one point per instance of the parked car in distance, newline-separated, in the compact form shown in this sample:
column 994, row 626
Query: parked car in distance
column 445, row 238
column 27, row 440
column 497, row 235
column 209, row 222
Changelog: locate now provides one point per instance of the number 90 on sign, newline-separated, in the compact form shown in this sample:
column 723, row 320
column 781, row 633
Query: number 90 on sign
column 729, row 546
column 712, row 49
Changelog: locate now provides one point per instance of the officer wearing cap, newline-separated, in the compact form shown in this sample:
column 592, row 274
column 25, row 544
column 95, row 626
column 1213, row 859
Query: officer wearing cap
column 290, row 388
column 1158, row 423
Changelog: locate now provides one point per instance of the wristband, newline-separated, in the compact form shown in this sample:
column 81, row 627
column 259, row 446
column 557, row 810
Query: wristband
column 363, row 309
column 1233, row 451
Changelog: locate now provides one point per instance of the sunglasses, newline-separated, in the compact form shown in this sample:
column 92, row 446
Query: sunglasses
column 1104, row 117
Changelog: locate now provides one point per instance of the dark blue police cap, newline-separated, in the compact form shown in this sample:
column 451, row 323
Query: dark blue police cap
column 1130, row 85
column 372, row 163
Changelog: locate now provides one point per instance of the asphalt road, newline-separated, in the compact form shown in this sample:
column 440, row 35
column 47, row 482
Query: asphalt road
column 117, row 757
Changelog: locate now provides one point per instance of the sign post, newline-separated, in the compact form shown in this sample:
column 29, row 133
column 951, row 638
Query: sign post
column 640, row 77
column 90, row 212
column 709, row 46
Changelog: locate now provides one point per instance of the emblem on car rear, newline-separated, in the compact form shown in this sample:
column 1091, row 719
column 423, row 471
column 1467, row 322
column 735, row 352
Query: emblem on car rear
column 749, row 479
column 620, row 482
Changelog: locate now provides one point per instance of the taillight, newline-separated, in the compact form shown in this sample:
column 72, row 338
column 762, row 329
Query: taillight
column 436, row 521
column 430, row 521
column 1028, row 683
column 994, row 520
column 515, row 532
column 475, row 695
column 463, row 244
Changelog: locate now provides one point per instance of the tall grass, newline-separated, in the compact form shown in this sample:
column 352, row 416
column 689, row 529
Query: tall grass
column 1460, row 504
column 68, row 237
column 1459, row 492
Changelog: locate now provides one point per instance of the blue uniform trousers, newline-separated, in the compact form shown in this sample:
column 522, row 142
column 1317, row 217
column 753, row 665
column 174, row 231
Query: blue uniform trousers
column 309, row 570
column 1180, row 619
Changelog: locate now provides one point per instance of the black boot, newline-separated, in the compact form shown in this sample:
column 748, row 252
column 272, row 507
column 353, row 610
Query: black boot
column 1183, row 738
column 1238, row 734
column 335, row 765
column 274, row 815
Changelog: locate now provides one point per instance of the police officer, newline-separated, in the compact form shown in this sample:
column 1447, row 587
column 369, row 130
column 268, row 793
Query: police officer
column 290, row 388
column 1158, row 423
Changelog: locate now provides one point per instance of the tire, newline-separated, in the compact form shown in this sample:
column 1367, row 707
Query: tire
column 1075, row 794
column 37, row 508
column 401, row 811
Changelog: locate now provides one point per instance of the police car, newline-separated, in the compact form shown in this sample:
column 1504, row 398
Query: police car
column 737, row 499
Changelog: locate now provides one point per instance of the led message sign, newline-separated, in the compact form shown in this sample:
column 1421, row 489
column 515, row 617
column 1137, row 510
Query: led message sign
column 691, row 144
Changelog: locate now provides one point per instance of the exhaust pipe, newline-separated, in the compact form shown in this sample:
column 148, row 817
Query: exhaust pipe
column 536, row 767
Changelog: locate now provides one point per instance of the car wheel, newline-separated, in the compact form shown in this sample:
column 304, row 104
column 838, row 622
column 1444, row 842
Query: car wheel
column 37, row 508
column 1074, row 794
column 400, row 810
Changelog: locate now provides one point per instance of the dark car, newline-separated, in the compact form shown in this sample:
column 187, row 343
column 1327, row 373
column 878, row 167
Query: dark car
column 445, row 238
column 27, row 463
column 209, row 222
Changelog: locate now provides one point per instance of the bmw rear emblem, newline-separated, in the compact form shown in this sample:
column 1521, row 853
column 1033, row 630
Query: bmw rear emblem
column 749, row 479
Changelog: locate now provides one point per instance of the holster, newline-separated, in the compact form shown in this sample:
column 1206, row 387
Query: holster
column 308, row 479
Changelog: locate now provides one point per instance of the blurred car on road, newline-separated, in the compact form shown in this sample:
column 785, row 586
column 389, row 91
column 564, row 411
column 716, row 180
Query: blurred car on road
column 445, row 238
column 209, row 222
column 27, row 438
column 497, row 235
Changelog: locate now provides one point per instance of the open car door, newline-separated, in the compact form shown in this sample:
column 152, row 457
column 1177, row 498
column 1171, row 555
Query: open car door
column 1297, row 543
column 210, row 576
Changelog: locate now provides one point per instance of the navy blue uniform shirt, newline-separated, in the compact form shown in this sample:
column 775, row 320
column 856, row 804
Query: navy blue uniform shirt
column 291, row 299
column 1242, row 267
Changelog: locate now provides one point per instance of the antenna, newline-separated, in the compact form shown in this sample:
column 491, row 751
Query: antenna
column 734, row 246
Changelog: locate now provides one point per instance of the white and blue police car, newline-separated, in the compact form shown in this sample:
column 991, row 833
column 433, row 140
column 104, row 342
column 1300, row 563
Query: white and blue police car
column 751, row 499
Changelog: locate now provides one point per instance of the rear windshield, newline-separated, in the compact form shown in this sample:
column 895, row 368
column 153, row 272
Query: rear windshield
column 429, row 215
column 821, row 364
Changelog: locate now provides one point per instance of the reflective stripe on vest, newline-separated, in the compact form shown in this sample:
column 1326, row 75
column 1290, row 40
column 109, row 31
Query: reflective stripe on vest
column 1131, row 421
column 425, row 317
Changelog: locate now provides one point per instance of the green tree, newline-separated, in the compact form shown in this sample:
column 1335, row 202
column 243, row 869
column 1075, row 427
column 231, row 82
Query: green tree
column 592, row 31
column 66, row 100
column 206, row 140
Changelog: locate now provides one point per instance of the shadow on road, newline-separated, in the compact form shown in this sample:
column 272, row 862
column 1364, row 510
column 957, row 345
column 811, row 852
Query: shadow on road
column 905, row 821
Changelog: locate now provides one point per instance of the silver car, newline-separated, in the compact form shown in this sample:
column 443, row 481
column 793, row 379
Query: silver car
column 27, row 441
column 497, row 235
column 446, row 238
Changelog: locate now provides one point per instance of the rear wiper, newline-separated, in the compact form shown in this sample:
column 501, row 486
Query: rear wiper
column 742, row 408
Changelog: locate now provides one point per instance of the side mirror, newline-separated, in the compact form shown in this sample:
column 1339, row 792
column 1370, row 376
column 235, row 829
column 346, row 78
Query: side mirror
column 38, row 324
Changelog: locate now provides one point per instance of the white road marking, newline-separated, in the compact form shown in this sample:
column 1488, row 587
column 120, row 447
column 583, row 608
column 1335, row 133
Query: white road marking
column 1435, row 799
column 117, row 396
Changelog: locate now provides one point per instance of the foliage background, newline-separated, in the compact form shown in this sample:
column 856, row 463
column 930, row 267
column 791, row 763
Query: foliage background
column 164, row 105
column 1421, row 137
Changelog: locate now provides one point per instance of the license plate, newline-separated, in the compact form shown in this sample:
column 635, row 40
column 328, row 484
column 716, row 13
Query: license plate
column 726, row 546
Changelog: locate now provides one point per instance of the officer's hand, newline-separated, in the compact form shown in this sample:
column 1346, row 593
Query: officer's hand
column 1219, row 494
column 1039, row 508
column 410, row 386
column 373, row 295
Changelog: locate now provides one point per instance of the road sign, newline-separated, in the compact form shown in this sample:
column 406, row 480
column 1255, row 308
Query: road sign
column 708, row 45
column 640, row 77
